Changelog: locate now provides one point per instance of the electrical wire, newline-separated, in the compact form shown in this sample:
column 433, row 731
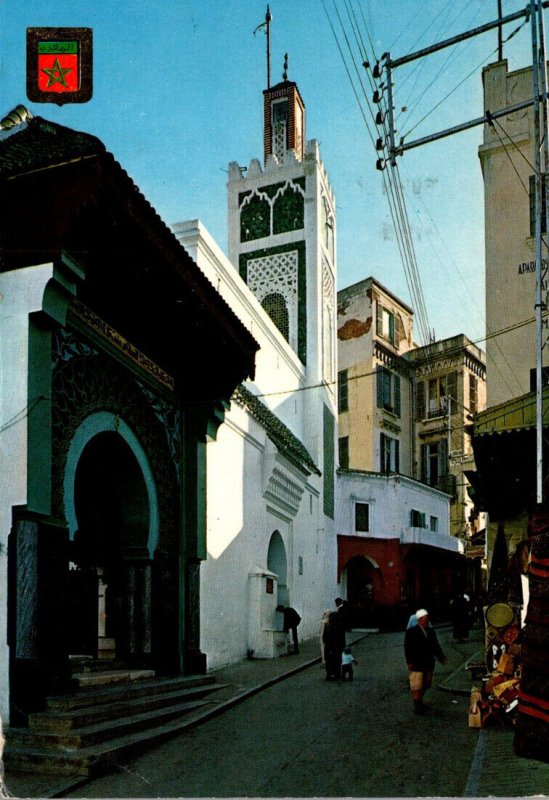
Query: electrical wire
column 442, row 260
column 452, row 56
column 392, row 184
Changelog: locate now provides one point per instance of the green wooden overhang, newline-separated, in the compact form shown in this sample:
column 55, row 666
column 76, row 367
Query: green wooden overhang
column 513, row 415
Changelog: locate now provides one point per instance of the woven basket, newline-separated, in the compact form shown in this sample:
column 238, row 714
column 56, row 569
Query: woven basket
column 499, row 615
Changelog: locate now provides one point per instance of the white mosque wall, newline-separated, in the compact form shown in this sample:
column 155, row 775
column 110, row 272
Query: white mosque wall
column 253, row 490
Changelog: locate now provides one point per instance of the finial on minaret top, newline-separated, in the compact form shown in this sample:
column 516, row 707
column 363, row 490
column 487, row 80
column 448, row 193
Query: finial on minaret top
column 285, row 73
column 266, row 26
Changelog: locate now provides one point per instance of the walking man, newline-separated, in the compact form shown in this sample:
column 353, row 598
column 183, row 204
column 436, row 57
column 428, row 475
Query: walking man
column 421, row 647
column 291, row 621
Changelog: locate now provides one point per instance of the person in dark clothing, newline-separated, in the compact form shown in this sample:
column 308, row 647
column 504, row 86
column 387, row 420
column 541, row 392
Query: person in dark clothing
column 343, row 609
column 460, row 608
column 334, row 645
column 421, row 647
column 291, row 621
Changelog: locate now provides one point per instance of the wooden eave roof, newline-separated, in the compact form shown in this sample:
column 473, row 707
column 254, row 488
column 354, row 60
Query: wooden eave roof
column 41, row 155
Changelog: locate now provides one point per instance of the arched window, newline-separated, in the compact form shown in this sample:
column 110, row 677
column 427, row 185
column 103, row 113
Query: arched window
column 288, row 211
column 255, row 219
column 275, row 306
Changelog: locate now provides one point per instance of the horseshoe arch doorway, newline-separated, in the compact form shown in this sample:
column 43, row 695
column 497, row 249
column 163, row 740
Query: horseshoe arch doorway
column 112, row 512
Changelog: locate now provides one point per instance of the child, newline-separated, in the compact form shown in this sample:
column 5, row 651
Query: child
column 347, row 662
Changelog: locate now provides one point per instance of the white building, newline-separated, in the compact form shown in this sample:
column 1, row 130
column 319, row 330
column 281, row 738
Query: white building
column 394, row 547
column 400, row 482
column 271, row 478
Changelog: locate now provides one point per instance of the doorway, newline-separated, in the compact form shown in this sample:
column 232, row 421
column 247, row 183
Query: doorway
column 111, row 550
column 361, row 581
column 278, row 563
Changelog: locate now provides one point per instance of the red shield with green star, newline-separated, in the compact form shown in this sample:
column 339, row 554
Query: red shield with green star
column 58, row 68
column 59, row 65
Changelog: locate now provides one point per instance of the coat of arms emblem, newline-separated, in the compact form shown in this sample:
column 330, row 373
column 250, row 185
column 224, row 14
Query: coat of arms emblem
column 59, row 65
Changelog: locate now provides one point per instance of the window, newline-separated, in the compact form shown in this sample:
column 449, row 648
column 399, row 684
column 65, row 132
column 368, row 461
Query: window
column 417, row 519
column 343, row 390
column 343, row 444
column 388, row 390
column 275, row 306
column 473, row 394
column 385, row 323
column 544, row 378
column 434, row 462
column 279, row 130
column 435, row 395
column 328, row 462
column 434, row 524
column 389, row 454
column 328, row 223
column 533, row 206
column 362, row 517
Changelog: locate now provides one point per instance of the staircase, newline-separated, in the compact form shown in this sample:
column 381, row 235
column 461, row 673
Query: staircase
column 113, row 715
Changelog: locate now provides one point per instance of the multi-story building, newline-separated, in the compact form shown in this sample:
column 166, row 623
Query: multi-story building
column 449, row 386
column 507, row 158
column 403, row 417
column 511, row 452
column 374, row 333
column 507, row 467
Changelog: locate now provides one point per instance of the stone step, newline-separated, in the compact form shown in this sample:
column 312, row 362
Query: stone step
column 92, row 696
column 65, row 720
column 93, row 760
column 91, row 664
column 97, row 727
column 77, row 739
column 108, row 677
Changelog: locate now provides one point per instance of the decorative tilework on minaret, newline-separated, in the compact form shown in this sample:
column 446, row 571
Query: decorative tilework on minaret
column 284, row 114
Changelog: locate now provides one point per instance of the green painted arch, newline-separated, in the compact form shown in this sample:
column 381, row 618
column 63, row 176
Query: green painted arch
column 107, row 422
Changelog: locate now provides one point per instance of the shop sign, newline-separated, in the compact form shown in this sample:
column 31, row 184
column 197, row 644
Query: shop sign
column 477, row 551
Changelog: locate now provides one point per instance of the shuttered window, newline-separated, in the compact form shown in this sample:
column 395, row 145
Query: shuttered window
column 533, row 205
column 388, row 390
column 343, row 390
column 389, row 449
column 343, row 452
column 434, row 463
column 473, row 394
column 385, row 323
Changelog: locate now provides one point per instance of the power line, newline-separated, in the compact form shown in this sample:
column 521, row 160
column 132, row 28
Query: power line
column 393, row 188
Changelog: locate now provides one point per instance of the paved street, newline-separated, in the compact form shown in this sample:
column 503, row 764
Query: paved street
column 279, row 729
column 307, row 737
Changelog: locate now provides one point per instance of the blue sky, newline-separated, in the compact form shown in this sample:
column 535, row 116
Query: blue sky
column 178, row 95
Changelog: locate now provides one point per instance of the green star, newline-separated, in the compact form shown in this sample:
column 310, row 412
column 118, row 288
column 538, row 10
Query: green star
column 56, row 74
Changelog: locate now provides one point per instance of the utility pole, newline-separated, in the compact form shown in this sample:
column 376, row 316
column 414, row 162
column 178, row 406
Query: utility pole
column 500, row 34
column 390, row 150
column 538, row 202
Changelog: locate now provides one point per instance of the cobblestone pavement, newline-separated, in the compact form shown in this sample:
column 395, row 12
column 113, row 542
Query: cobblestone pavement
column 495, row 770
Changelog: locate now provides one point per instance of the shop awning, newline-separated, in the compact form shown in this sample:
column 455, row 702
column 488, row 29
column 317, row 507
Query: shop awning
column 513, row 415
